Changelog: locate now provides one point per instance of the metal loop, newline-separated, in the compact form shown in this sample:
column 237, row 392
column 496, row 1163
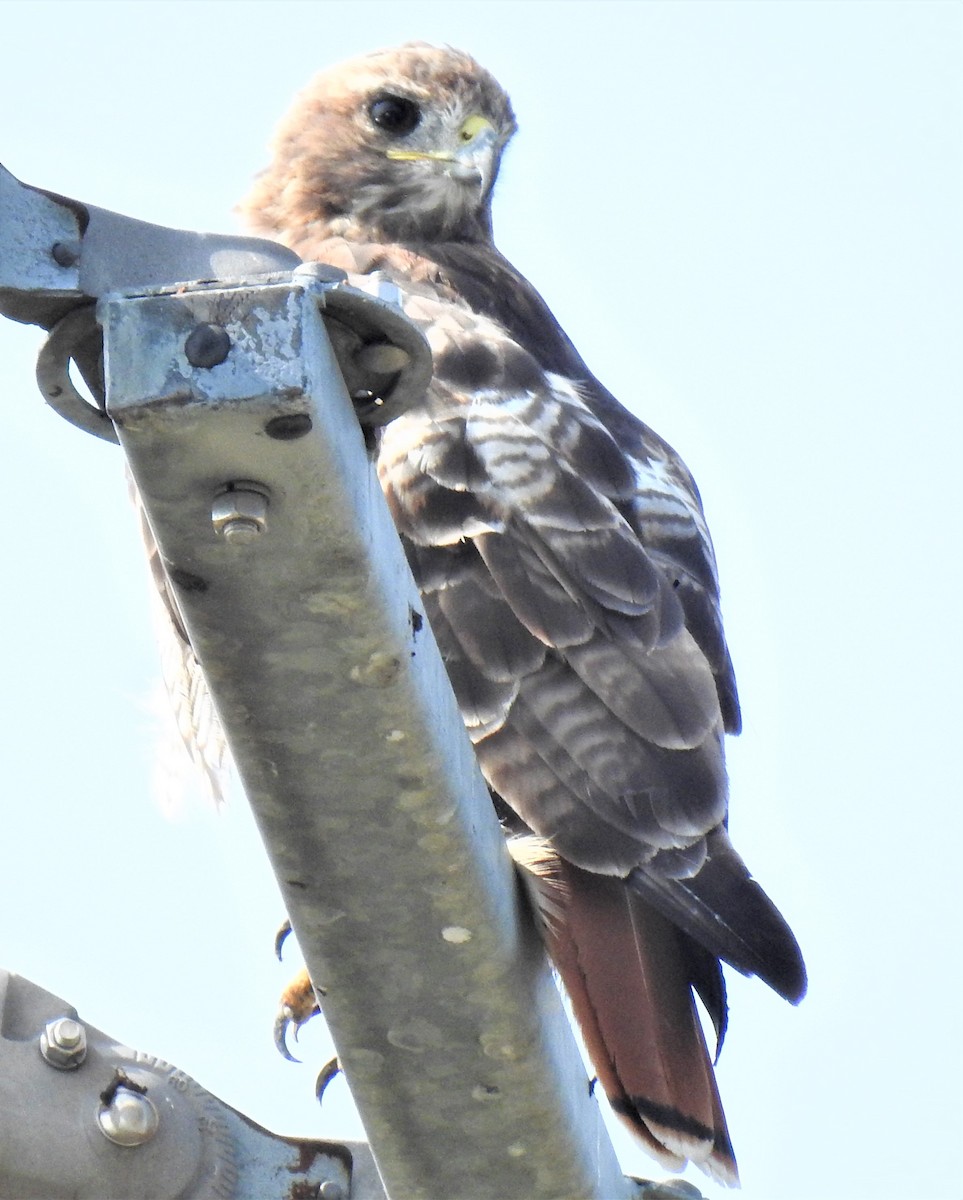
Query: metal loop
column 359, row 325
column 378, row 397
column 78, row 337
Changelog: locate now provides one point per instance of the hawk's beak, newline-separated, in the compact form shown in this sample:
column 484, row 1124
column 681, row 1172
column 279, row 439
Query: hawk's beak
column 472, row 159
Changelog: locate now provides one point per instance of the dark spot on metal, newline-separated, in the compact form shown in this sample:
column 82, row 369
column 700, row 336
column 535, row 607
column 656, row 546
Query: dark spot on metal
column 289, row 427
column 207, row 345
column 417, row 620
column 186, row 581
column 296, row 883
column 65, row 254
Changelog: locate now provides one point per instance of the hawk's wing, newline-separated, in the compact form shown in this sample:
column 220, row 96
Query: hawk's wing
column 566, row 567
column 569, row 579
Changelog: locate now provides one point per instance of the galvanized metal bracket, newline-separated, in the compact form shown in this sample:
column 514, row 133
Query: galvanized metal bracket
column 56, row 253
column 81, row 1115
column 58, row 256
column 383, row 359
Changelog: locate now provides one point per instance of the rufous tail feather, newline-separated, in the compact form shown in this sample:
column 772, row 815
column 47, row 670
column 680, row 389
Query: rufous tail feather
column 624, row 968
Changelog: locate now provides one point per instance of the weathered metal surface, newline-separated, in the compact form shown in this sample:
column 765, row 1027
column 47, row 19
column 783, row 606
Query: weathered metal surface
column 55, row 251
column 122, row 1125
column 352, row 753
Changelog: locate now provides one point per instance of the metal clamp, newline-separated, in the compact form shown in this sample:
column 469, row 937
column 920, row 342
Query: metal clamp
column 385, row 361
column 115, row 1123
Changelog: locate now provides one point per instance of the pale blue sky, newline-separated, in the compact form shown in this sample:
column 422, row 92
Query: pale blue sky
column 747, row 216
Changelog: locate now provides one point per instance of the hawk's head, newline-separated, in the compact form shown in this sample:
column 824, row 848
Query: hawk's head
column 399, row 146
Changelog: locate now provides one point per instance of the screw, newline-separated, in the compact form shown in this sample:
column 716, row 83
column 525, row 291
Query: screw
column 239, row 513
column 207, row 345
column 63, row 1043
column 130, row 1119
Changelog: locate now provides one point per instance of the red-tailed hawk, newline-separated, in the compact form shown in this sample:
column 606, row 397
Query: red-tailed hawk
column 569, row 577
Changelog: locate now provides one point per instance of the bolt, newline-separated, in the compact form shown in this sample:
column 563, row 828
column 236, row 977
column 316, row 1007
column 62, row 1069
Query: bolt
column 331, row 1190
column 207, row 345
column 239, row 513
column 63, row 1043
column 130, row 1119
column 65, row 254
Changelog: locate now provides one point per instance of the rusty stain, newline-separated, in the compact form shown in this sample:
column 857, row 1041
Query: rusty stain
column 300, row 1190
column 308, row 1151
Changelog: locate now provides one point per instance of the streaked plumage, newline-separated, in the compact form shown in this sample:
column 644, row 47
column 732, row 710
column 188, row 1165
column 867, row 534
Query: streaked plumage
column 568, row 574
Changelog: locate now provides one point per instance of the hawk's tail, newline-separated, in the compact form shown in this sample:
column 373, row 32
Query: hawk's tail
column 626, row 971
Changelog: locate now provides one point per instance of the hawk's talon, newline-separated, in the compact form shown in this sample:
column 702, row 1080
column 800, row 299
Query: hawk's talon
column 282, row 1023
column 279, row 939
column 298, row 1004
column 330, row 1070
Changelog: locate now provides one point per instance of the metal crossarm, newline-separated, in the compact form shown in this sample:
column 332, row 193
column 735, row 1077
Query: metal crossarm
column 55, row 251
column 346, row 736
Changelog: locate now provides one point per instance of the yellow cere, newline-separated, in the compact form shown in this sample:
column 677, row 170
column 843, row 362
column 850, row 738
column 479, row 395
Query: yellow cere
column 473, row 127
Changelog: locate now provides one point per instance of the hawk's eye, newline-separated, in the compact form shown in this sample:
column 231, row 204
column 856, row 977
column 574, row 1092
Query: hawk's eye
column 395, row 114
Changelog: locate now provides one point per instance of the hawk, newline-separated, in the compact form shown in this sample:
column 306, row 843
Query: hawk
column 569, row 578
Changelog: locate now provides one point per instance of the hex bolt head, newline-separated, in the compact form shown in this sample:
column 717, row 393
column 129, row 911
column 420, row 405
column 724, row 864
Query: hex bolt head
column 130, row 1119
column 207, row 345
column 239, row 513
column 63, row 1043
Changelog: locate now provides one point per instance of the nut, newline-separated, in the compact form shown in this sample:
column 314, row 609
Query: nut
column 239, row 513
column 63, row 1043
